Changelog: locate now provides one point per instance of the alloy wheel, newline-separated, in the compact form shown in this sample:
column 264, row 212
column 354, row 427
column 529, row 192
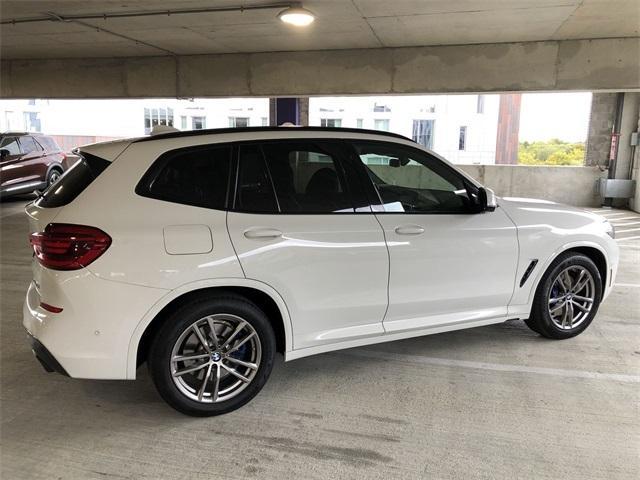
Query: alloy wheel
column 215, row 358
column 571, row 297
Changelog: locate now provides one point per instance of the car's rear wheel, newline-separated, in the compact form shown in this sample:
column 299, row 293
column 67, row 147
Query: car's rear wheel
column 567, row 298
column 212, row 356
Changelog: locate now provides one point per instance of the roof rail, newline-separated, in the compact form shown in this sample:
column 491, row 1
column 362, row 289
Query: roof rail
column 213, row 131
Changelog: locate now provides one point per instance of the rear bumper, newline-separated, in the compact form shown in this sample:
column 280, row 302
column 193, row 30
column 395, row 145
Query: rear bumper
column 48, row 361
column 90, row 337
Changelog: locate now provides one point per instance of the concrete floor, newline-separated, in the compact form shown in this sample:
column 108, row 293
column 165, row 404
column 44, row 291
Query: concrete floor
column 492, row 402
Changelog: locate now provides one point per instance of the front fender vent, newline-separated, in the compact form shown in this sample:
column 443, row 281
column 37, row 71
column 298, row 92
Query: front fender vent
column 528, row 271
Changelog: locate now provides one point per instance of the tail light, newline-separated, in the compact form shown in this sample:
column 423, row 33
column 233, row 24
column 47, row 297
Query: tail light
column 68, row 247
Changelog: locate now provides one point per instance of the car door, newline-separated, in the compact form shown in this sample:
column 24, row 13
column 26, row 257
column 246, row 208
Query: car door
column 299, row 224
column 11, row 171
column 34, row 166
column 450, row 264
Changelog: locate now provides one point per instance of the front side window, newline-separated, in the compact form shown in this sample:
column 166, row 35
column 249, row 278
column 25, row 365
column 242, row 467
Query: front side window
column 10, row 144
column 411, row 181
column 196, row 176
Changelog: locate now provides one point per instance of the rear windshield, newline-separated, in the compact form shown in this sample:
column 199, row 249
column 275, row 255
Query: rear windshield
column 73, row 182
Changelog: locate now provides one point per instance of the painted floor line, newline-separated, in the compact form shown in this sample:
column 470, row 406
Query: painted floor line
column 497, row 367
column 625, row 224
column 633, row 285
column 628, row 230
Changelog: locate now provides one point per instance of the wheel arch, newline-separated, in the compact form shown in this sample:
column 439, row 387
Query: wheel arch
column 53, row 166
column 591, row 250
column 259, row 293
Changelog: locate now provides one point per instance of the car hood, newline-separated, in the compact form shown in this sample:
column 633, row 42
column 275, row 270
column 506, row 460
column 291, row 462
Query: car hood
column 533, row 212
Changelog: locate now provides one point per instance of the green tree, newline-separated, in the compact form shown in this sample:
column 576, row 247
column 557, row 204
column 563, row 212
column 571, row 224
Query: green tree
column 551, row 152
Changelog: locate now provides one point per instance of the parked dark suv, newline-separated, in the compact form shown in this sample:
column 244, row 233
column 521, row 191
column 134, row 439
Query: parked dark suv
column 28, row 162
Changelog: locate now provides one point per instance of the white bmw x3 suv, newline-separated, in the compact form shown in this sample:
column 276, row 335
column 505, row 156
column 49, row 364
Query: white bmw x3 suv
column 205, row 253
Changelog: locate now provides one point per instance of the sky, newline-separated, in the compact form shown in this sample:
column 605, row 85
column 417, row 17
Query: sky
column 544, row 116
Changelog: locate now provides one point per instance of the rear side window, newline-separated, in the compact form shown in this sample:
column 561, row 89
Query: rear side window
column 255, row 190
column 291, row 177
column 73, row 182
column 29, row 145
column 307, row 178
column 197, row 176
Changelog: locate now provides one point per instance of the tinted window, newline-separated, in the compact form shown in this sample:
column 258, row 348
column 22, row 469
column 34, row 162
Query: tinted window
column 409, row 180
column 73, row 182
column 197, row 176
column 29, row 145
column 11, row 144
column 255, row 190
column 307, row 178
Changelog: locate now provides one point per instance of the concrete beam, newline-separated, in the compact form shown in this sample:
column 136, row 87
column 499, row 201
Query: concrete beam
column 604, row 64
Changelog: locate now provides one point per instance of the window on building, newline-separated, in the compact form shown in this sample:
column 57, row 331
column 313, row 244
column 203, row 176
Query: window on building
column 423, row 132
column 194, row 176
column 381, row 108
column 480, row 106
column 330, row 122
column 359, row 123
column 183, row 122
column 265, row 121
column 198, row 123
column 462, row 139
column 32, row 122
column 157, row 116
column 381, row 124
column 238, row 122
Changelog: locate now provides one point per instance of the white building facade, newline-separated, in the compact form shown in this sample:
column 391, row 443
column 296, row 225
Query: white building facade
column 462, row 128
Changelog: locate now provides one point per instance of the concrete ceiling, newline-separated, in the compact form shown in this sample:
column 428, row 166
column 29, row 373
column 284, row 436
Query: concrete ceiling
column 340, row 24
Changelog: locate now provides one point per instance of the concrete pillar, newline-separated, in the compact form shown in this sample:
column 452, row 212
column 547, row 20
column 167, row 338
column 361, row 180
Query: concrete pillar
column 603, row 106
column 628, row 125
column 507, row 138
column 635, row 158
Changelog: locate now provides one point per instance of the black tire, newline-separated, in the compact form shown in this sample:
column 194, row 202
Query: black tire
column 540, row 320
column 160, row 353
column 53, row 176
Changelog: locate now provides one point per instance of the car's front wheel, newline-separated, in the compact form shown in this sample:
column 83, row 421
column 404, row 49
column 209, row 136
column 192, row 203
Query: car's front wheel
column 213, row 355
column 567, row 297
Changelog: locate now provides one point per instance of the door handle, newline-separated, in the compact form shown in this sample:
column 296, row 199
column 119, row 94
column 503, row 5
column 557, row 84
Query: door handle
column 409, row 230
column 262, row 233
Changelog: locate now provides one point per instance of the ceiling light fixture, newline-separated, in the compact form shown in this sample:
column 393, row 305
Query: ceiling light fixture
column 298, row 16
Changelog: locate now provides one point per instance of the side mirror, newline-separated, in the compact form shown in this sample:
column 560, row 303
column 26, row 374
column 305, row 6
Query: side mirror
column 486, row 200
column 4, row 153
